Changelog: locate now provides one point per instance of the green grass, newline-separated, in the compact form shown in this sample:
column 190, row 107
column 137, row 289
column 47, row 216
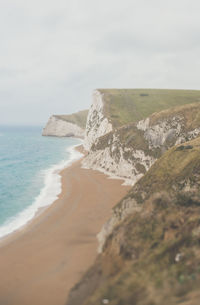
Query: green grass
column 78, row 118
column 123, row 106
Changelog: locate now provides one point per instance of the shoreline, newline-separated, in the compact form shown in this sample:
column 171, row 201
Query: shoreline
column 52, row 179
column 42, row 261
column 39, row 213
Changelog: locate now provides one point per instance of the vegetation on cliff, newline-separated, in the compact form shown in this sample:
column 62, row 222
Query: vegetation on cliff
column 123, row 106
column 78, row 118
column 152, row 256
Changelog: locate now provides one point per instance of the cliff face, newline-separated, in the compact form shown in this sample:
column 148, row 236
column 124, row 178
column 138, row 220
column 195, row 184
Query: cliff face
column 66, row 125
column 152, row 255
column 129, row 151
column 97, row 123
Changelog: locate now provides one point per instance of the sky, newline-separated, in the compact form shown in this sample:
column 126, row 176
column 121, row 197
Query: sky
column 53, row 54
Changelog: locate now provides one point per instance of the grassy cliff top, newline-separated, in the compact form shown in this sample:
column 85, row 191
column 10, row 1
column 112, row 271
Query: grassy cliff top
column 78, row 118
column 123, row 106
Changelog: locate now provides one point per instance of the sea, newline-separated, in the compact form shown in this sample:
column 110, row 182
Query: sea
column 29, row 173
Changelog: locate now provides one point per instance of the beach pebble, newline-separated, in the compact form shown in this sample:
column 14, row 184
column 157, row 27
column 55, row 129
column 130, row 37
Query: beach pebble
column 105, row 301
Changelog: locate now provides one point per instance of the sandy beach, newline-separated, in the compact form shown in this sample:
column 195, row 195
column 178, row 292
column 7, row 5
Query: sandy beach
column 40, row 263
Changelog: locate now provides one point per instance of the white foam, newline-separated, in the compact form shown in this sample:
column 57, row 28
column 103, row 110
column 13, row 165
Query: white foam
column 49, row 193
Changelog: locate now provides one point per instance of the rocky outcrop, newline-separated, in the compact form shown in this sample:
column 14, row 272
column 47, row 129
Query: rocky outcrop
column 59, row 127
column 167, row 132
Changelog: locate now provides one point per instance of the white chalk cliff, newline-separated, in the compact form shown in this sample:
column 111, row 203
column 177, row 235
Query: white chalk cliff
column 130, row 159
column 97, row 123
column 61, row 128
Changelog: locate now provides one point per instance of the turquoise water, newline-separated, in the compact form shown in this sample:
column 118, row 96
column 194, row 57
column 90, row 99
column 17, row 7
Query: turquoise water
column 29, row 167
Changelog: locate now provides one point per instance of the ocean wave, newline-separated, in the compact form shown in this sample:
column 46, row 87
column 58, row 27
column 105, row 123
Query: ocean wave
column 49, row 193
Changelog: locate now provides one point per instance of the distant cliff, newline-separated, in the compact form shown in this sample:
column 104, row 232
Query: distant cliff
column 66, row 125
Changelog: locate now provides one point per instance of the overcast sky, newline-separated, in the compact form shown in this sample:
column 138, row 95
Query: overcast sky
column 53, row 53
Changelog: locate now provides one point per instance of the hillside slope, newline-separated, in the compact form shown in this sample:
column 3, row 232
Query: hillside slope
column 66, row 125
column 151, row 254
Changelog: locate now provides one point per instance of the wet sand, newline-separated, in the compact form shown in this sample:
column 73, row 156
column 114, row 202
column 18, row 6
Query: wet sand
column 43, row 261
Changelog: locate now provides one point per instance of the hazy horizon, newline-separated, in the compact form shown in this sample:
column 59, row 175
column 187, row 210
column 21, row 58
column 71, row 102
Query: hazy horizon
column 54, row 54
